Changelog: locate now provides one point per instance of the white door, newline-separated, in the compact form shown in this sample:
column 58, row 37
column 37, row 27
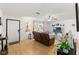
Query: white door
column 13, row 34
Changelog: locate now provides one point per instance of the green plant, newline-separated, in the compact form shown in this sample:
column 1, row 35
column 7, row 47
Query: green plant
column 64, row 46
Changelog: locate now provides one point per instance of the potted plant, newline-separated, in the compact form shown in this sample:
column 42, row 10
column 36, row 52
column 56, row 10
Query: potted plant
column 64, row 46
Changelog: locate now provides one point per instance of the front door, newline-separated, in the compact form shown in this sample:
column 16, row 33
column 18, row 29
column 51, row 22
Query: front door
column 13, row 32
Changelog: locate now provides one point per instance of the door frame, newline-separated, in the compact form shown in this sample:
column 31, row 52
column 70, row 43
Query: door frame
column 7, row 29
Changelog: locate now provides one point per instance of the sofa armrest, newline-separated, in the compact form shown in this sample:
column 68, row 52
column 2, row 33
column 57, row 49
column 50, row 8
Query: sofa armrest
column 52, row 41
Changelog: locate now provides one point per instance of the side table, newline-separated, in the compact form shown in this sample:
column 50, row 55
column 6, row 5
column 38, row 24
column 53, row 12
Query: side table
column 4, row 49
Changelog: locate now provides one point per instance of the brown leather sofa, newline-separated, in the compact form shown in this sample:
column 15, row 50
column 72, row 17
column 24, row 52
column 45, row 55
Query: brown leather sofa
column 43, row 38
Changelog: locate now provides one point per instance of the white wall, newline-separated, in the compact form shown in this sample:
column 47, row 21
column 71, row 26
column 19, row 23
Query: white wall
column 4, row 22
column 67, row 26
column 48, row 26
column 23, row 20
column 1, row 13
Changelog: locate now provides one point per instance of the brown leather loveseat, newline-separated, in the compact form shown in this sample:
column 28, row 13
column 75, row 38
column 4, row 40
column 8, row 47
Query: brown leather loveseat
column 43, row 38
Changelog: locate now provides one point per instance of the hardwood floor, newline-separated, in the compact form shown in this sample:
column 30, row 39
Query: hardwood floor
column 31, row 47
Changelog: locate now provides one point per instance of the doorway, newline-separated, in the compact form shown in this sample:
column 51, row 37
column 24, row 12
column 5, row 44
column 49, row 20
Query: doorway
column 13, row 30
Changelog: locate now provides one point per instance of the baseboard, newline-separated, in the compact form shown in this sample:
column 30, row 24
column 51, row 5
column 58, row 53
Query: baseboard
column 14, row 42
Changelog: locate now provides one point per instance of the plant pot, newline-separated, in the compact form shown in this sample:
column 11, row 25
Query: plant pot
column 65, row 51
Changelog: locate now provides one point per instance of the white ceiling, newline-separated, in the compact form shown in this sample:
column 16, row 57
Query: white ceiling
column 62, row 10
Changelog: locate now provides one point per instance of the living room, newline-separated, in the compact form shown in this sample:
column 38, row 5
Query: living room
column 38, row 28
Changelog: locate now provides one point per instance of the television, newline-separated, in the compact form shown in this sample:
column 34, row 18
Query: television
column 57, row 30
column 77, row 16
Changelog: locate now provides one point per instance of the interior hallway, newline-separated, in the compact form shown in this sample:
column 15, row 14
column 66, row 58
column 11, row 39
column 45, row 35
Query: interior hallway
column 31, row 47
